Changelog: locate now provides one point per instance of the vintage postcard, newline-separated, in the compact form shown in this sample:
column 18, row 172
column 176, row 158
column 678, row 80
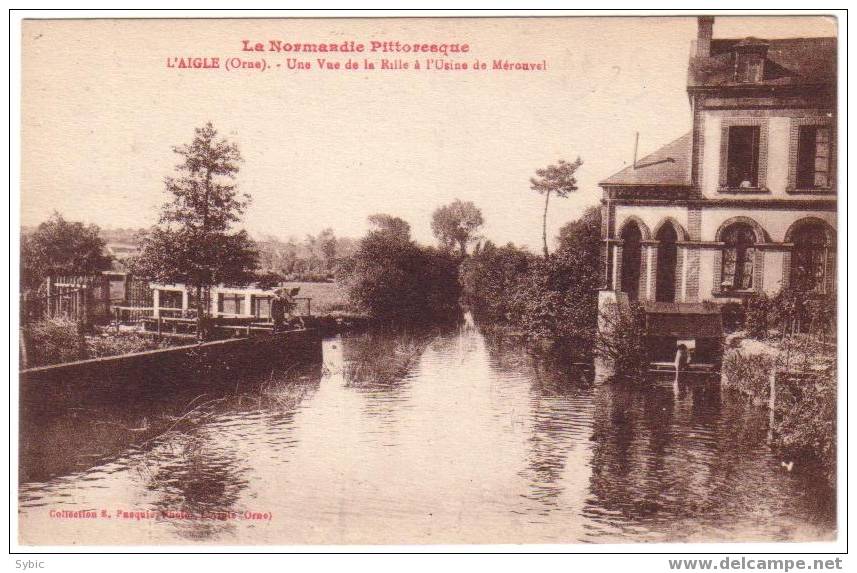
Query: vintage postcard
column 429, row 280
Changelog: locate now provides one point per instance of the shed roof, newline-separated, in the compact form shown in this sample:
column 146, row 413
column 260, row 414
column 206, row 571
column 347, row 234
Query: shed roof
column 683, row 320
column 668, row 166
column 653, row 307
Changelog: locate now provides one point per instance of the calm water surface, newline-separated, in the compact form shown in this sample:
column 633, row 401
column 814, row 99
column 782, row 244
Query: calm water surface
column 450, row 438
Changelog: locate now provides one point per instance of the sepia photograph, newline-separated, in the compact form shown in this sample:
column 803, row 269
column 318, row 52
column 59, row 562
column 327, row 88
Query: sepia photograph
column 421, row 281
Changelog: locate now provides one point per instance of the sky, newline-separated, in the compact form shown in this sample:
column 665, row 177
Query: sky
column 101, row 111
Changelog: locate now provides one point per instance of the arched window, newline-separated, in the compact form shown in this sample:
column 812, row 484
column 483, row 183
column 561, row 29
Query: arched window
column 813, row 258
column 665, row 278
column 631, row 260
column 738, row 254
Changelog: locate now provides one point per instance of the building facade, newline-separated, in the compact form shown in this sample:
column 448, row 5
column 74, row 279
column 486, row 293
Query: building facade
column 746, row 201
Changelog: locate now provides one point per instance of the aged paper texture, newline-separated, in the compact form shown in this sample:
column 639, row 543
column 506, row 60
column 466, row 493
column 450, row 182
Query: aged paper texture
column 546, row 280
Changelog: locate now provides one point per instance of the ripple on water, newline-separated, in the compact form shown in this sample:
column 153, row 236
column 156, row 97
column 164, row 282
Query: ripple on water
column 476, row 441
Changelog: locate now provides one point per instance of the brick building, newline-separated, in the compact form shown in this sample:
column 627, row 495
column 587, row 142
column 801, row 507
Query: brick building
column 746, row 201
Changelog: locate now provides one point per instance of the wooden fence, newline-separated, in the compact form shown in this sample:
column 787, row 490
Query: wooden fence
column 70, row 303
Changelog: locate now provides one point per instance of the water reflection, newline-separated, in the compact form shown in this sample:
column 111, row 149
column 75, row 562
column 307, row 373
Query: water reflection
column 422, row 438
column 196, row 484
column 687, row 467
column 559, row 410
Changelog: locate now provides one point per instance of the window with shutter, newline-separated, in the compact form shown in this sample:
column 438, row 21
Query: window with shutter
column 813, row 157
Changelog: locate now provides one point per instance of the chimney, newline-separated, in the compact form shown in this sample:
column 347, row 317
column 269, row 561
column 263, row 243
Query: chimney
column 704, row 32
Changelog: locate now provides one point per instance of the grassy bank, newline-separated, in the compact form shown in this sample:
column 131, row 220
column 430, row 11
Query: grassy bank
column 56, row 341
column 805, row 393
column 375, row 359
column 328, row 299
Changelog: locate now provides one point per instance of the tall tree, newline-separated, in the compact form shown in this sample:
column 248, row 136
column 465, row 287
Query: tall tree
column 557, row 179
column 456, row 224
column 60, row 247
column 396, row 280
column 391, row 227
column 327, row 242
column 194, row 243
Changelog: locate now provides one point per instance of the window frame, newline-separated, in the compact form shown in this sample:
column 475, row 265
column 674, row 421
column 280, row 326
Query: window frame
column 236, row 297
column 762, row 160
column 761, row 242
column 749, row 67
column 794, row 143
column 258, row 301
column 745, row 254
column 827, row 258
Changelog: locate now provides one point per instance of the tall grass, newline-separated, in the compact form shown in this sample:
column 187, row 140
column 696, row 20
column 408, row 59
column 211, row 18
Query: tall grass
column 327, row 298
column 381, row 360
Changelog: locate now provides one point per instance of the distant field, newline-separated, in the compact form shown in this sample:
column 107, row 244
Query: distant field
column 326, row 297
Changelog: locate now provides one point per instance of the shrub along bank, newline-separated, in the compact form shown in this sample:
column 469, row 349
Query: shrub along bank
column 394, row 280
column 551, row 299
column 56, row 341
column 805, row 393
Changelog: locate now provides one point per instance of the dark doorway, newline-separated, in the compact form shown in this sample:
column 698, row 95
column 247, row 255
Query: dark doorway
column 631, row 256
column 667, row 251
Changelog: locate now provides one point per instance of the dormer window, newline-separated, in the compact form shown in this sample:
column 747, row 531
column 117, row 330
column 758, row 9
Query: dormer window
column 750, row 55
column 749, row 68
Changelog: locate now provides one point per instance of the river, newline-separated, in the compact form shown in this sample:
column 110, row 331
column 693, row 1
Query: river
column 450, row 438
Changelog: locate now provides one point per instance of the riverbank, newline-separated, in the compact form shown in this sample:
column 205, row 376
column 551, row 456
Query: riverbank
column 795, row 378
column 135, row 376
column 57, row 341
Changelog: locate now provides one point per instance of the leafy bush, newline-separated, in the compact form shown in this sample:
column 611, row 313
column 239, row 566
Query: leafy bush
column 557, row 299
column 552, row 299
column 811, row 313
column 268, row 280
column 805, row 420
column 622, row 340
column 60, row 247
column 395, row 280
column 122, row 343
column 806, row 426
column 489, row 279
column 54, row 341
column 757, row 310
column 733, row 316
column 790, row 311
column 748, row 373
column 310, row 276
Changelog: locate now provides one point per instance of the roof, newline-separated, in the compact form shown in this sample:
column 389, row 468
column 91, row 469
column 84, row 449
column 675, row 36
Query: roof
column 683, row 320
column 652, row 307
column 791, row 61
column 668, row 166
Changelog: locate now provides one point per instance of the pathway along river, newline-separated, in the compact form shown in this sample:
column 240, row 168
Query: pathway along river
column 471, row 440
